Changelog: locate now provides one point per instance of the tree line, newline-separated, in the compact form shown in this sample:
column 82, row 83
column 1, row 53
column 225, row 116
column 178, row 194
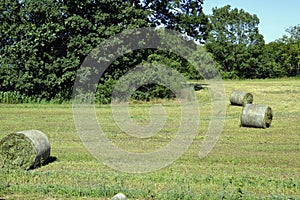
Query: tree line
column 241, row 52
column 44, row 42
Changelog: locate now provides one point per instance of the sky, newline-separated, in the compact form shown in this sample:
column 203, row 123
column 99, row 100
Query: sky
column 275, row 15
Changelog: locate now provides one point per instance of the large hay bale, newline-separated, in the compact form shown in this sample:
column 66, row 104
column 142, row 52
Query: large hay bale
column 241, row 98
column 255, row 115
column 24, row 149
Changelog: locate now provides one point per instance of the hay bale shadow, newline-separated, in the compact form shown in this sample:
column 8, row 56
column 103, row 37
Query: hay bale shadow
column 50, row 160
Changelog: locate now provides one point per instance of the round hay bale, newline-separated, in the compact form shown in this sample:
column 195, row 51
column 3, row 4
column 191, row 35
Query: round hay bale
column 119, row 196
column 241, row 98
column 24, row 149
column 255, row 115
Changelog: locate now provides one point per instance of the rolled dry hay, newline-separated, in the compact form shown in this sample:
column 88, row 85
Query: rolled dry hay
column 241, row 98
column 255, row 115
column 24, row 149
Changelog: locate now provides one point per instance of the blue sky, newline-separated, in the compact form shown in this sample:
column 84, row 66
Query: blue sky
column 275, row 15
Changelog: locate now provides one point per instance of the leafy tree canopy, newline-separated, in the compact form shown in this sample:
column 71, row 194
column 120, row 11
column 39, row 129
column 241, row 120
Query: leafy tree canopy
column 235, row 42
column 285, row 52
column 43, row 42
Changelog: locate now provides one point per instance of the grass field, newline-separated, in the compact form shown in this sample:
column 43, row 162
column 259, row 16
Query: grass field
column 246, row 163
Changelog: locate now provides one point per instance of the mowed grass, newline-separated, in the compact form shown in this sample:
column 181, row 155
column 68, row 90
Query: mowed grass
column 246, row 163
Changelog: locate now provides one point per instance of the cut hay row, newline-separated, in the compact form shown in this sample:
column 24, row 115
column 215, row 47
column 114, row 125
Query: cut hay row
column 24, row 149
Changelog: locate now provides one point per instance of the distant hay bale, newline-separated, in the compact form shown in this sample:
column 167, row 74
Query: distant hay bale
column 255, row 115
column 24, row 149
column 119, row 196
column 241, row 98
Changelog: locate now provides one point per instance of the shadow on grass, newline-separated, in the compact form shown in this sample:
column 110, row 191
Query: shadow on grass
column 50, row 160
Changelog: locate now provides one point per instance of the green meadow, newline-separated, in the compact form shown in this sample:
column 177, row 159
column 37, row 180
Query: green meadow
column 246, row 163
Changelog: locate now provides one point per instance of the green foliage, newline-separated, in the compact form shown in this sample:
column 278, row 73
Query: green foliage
column 151, row 79
column 15, row 97
column 288, row 51
column 43, row 42
column 236, row 43
column 143, row 57
column 273, row 59
column 185, row 16
column 283, row 56
column 175, row 62
column 239, row 48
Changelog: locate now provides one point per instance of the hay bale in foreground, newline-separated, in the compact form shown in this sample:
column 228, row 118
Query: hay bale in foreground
column 241, row 98
column 119, row 196
column 255, row 115
column 24, row 149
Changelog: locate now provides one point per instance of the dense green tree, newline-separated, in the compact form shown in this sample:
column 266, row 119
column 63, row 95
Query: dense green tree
column 294, row 32
column 43, row 42
column 236, row 43
column 291, row 54
column 165, row 55
column 271, row 60
column 284, row 53
column 185, row 16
